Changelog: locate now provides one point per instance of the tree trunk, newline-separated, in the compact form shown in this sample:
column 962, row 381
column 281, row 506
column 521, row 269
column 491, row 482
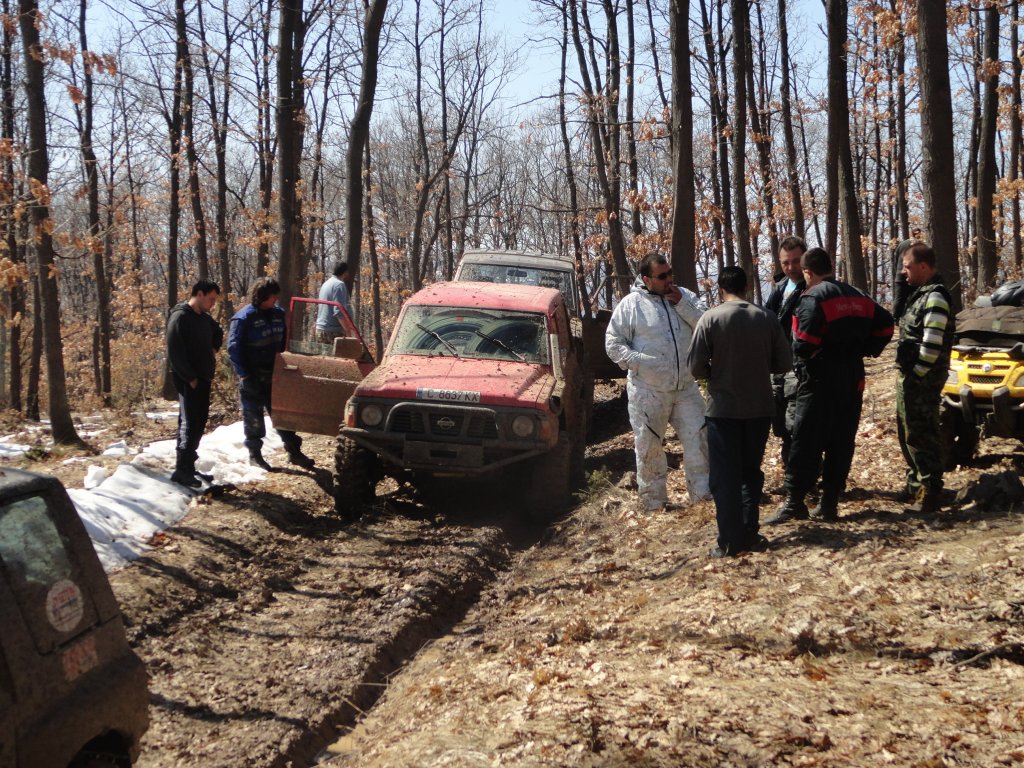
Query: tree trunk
column 188, row 137
column 604, row 143
column 938, row 169
column 988, row 260
column 684, row 234
column 741, row 34
column 93, row 241
column 36, row 355
column 792, row 163
column 720, row 179
column 570, row 173
column 371, row 240
column 265, row 144
column 359, row 135
column 839, row 127
column 760, row 124
column 290, row 135
column 16, row 296
column 174, row 124
column 1013, row 172
column 636, row 223
column 61, row 425
column 219, row 114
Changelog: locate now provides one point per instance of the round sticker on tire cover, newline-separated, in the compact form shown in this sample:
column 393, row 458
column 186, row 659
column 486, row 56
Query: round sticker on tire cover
column 64, row 605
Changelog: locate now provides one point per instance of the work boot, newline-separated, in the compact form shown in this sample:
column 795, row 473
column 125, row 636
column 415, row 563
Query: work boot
column 793, row 508
column 299, row 459
column 828, row 506
column 929, row 501
column 206, row 478
column 186, row 479
column 257, row 460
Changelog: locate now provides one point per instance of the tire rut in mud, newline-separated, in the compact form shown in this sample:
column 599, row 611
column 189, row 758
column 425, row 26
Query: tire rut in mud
column 267, row 625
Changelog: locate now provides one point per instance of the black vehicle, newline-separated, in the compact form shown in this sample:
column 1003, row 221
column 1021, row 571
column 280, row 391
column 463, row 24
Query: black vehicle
column 72, row 692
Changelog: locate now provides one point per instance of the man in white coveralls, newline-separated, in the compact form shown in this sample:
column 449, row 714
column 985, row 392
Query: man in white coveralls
column 648, row 335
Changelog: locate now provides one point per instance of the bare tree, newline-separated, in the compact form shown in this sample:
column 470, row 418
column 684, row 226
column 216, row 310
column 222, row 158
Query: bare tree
column 1013, row 169
column 684, row 204
column 359, row 132
column 938, row 168
column 986, row 180
column 83, row 107
column 61, row 425
column 740, row 40
column 839, row 127
column 792, row 164
column 290, row 136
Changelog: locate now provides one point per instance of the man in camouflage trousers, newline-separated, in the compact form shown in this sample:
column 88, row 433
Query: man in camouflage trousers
column 926, row 337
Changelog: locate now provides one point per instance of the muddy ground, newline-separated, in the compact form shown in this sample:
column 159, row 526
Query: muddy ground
column 448, row 632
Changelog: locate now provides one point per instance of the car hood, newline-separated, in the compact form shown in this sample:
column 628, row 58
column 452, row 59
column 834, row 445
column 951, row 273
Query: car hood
column 463, row 381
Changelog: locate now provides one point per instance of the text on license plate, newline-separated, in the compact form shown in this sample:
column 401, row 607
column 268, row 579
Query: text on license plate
column 447, row 395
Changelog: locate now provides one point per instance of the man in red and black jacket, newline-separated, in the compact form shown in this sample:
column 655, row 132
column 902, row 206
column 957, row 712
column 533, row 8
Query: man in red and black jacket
column 835, row 327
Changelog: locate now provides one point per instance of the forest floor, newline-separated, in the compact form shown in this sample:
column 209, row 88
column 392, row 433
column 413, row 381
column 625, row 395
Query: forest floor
column 449, row 632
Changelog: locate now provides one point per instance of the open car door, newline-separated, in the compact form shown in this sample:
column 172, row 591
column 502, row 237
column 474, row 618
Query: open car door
column 313, row 379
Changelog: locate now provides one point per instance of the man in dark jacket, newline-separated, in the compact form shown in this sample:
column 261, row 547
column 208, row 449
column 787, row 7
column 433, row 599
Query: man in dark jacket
column 192, row 339
column 834, row 327
column 257, row 334
column 781, row 302
column 737, row 347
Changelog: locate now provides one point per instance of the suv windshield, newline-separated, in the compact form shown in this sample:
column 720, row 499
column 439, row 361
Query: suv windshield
column 504, row 273
column 474, row 333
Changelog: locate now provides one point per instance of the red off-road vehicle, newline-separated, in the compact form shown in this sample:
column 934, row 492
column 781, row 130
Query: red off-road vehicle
column 478, row 379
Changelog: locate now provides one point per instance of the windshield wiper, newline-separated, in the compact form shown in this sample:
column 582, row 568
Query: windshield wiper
column 437, row 336
column 500, row 343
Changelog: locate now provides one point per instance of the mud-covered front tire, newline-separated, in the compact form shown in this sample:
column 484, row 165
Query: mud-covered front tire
column 959, row 439
column 549, row 482
column 355, row 478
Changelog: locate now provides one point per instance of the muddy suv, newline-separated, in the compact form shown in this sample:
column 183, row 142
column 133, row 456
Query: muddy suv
column 71, row 690
column 477, row 380
column 534, row 268
column 984, row 391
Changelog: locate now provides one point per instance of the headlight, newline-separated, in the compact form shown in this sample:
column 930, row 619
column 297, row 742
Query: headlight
column 952, row 377
column 523, row 426
column 1019, row 382
column 371, row 415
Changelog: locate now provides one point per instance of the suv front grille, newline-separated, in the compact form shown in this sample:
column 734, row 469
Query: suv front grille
column 482, row 427
column 408, row 422
column 445, row 424
column 478, row 423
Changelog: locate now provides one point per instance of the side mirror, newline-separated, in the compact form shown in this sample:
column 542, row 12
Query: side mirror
column 348, row 348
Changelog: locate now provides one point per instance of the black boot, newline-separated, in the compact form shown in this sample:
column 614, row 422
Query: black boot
column 828, row 507
column 185, row 470
column 257, row 460
column 928, row 502
column 793, row 508
column 299, row 459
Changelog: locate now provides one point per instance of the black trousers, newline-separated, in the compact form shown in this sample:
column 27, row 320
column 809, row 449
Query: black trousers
column 827, row 413
column 193, row 413
column 735, row 450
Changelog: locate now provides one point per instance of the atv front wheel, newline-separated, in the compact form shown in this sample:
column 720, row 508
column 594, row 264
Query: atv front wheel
column 959, row 439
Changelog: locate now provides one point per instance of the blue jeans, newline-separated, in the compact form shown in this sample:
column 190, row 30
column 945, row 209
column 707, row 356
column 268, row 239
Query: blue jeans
column 255, row 393
column 735, row 450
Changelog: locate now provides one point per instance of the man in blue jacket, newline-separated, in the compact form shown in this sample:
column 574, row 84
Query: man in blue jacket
column 257, row 334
